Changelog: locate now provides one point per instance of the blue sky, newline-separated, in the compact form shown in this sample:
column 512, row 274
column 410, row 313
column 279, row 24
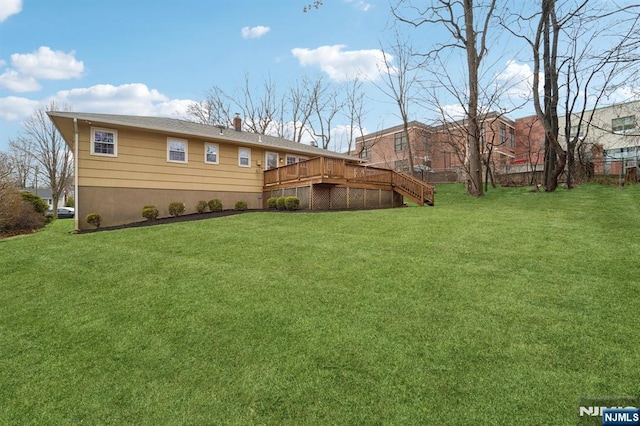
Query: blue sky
column 156, row 57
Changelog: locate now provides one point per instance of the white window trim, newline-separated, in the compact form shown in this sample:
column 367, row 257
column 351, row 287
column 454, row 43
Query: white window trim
column 217, row 153
column 240, row 149
column 266, row 159
column 186, row 150
column 298, row 158
column 115, row 142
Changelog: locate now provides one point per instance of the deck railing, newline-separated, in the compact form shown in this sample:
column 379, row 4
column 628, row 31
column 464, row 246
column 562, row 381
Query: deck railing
column 416, row 189
column 319, row 167
column 332, row 169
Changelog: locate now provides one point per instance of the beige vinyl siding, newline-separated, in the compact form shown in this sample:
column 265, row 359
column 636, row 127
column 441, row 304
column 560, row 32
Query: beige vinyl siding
column 142, row 163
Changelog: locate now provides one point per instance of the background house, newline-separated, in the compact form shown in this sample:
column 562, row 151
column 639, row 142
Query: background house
column 45, row 194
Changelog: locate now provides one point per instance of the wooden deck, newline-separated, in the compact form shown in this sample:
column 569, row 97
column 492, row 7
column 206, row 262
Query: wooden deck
column 331, row 171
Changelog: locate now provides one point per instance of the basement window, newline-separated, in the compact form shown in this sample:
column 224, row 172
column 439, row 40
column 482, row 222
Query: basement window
column 176, row 150
column 104, row 142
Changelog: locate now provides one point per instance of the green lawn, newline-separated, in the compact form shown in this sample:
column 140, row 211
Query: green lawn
column 500, row 310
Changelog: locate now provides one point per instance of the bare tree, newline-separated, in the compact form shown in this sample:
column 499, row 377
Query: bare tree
column 49, row 150
column 532, row 148
column 24, row 167
column 309, row 108
column 355, row 112
column 459, row 19
column 301, row 107
column 325, row 106
column 6, row 170
column 214, row 110
column 399, row 84
column 577, row 71
column 592, row 72
column 313, row 5
column 260, row 112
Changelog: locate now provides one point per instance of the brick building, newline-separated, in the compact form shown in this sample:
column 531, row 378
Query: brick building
column 608, row 143
column 438, row 151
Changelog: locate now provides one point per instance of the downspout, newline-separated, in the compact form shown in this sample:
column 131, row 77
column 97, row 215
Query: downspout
column 75, row 173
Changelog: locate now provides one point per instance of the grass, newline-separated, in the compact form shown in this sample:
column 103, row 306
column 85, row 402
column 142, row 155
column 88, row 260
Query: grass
column 500, row 310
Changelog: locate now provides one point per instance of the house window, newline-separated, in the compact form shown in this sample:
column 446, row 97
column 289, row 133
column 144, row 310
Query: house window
column 244, row 157
column 176, row 150
column 211, row 153
column 400, row 141
column 271, row 159
column 574, row 131
column 104, row 142
column 512, row 138
column 624, row 124
column 293, row 159
column 503, row 134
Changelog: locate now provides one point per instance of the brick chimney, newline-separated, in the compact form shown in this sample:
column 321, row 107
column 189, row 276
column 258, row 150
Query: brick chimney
column 237, row 122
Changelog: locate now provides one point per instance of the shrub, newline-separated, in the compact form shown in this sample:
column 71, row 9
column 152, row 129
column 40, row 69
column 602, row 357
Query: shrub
column 241, row 205
column 215, row 205
column 201, row 206
column 17, row 216
column 39, row 205
column 176, row 208
column 271, row 202
column 280, row 203
column 150, row 212
column 70, row 202
column 94, row 219
column 292, row 203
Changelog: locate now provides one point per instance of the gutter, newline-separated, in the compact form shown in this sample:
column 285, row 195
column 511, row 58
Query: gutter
column 75, row 173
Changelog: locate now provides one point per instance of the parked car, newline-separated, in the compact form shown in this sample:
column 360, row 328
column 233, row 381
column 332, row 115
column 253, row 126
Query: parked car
column 63, row 212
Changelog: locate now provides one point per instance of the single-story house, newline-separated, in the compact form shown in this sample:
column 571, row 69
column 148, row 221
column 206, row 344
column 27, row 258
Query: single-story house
column 125, row 162
column 46, row 195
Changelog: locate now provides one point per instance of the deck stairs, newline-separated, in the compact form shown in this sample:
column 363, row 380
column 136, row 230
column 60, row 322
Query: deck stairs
column 416, row 190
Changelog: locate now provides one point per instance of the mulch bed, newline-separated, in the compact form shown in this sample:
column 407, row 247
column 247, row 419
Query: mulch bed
column 161, row 221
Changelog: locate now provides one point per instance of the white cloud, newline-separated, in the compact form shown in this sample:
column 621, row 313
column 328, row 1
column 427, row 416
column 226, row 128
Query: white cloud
column 624, row 94
column 361, row 5
column 9, row 7
column 341, row 65
column 452, row 112
column 254, row 32
column 47, row 64
column 516, row 80
column 13, row 108
column 17, row 82
column 134, row 98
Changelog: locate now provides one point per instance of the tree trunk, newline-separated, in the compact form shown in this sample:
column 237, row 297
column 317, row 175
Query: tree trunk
column 473, row 159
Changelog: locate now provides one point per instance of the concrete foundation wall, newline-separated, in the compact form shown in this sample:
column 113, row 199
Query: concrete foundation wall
column 118, row 206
